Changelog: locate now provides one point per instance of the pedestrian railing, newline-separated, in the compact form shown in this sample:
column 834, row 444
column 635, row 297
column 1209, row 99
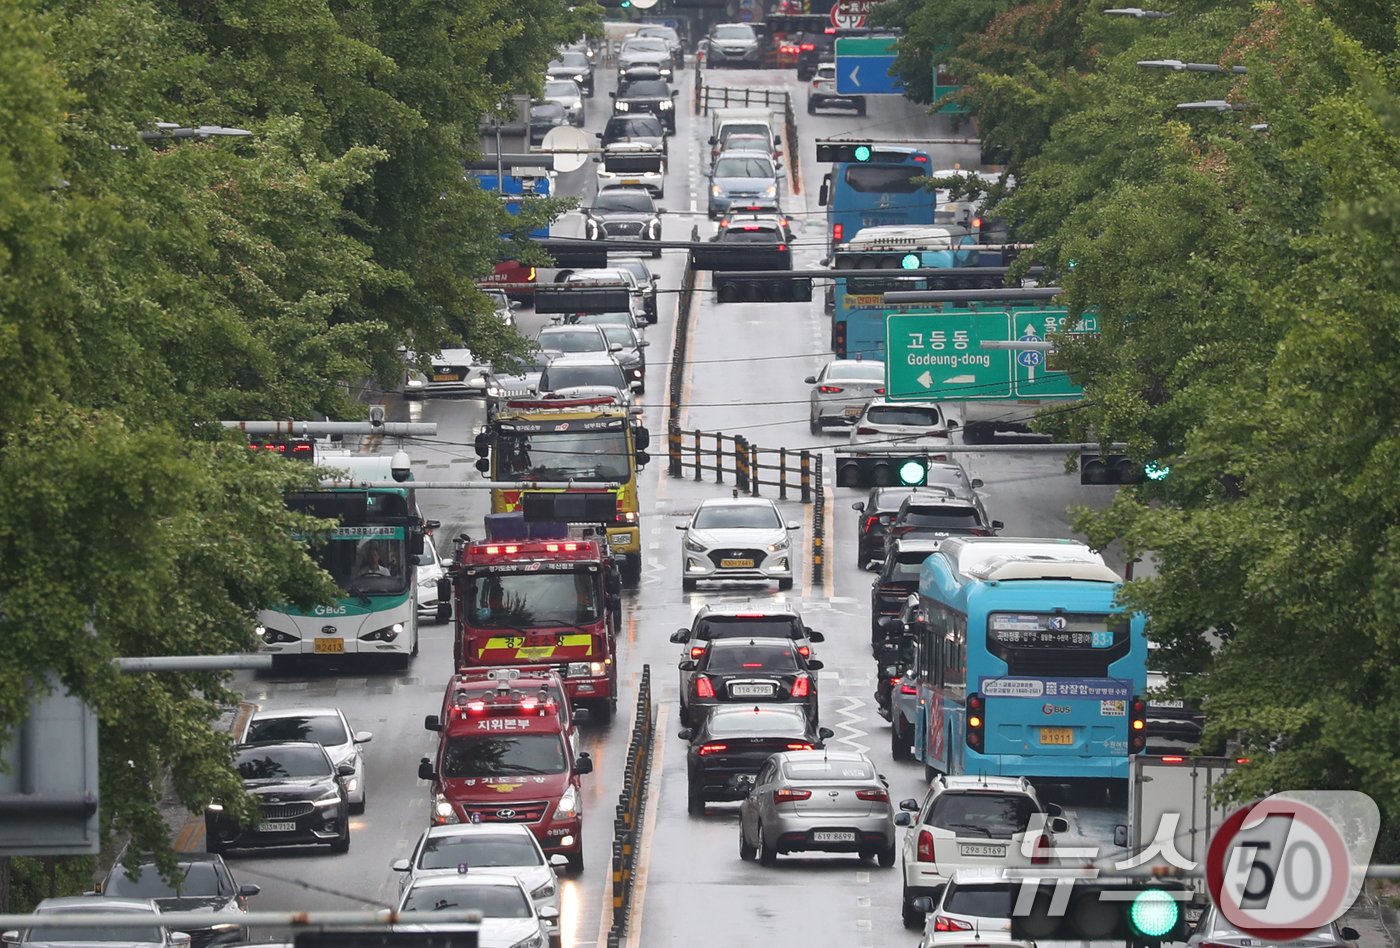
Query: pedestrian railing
column 706, row 454
column 726, row 97
column 631, row 806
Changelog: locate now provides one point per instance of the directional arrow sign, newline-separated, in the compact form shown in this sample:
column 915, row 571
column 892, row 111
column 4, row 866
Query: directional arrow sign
column 925, row 380
column 863, row 66
column 1034, row 377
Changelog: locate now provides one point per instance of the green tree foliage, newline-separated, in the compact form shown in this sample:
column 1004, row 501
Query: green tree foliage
column 148, row 290
column 1249, row 314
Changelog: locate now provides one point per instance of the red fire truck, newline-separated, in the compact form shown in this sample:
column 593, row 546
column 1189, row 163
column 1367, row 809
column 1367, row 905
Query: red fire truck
column 505, row 757
column 554, row 602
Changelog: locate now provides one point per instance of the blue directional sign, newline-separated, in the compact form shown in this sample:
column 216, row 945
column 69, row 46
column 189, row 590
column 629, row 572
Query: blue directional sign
column 1030, row 358
column 863, row 65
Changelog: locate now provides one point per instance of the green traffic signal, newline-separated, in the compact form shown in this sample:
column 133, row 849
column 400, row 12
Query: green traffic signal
column 912, row 472
column 1155, row 471
column 910, row 261
column 862, row 153
column 1154, row 913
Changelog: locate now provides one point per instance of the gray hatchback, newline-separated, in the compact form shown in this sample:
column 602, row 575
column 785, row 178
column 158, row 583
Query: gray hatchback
column 817, row 801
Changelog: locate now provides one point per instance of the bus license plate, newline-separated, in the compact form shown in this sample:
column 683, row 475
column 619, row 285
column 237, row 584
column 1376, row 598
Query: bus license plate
column 981, row 849
column 277, row 827
column 1059, row 736
column 330, row 646
column 736, row 564
column 446, row 377
column 831, row 836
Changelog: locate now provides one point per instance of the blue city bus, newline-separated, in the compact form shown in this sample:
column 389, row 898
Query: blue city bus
column 516, row 185
column 858, row 304
column 1024, row 664
column 885, row 189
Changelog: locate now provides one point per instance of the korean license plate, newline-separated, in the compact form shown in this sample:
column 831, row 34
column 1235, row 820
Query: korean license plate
column 1171, row 704
column 446, row 377
column 277, row 827
column 833, row 836
column 631, row 180
column 853, row 411
column 736, row 564
column 981, row 849
column 330, row 646
column 751, row 691
column 1058, row 736
column 618, row 539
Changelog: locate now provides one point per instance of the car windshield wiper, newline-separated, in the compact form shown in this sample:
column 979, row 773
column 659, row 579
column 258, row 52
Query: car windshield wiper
column 970, row 826
column 359, row 594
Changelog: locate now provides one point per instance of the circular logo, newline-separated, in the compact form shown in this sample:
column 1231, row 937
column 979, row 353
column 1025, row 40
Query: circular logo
column 1279, row 869
column 1057, row 623
column 506, row 814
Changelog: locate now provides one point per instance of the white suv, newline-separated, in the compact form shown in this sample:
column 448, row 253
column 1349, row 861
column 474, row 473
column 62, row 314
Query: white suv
column 971, row 823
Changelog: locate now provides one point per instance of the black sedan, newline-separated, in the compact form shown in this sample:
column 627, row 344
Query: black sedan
column 574, row 65
column 728, row 748
column 300, row 795
column 645, row 129
column 747, row 670
column 624, row 214
column 641, row 95
column 202, row 883
column 544, row 118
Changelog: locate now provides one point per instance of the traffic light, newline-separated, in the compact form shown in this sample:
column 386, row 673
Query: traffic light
column 779, row 288
column 900, row 469
column 1137, row 726
column 575, row 254
column 976, row 722
column 1142, row 913
column 844, row 151
column 1109, row 469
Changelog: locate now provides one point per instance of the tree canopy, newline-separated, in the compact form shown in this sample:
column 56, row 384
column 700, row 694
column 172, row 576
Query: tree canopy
column 149, row 290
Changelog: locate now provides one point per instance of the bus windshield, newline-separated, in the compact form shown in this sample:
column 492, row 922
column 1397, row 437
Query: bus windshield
column 531, row 600
column 369, row 561
column 581, row 455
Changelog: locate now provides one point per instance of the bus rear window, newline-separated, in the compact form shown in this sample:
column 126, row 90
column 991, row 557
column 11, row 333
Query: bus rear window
column 884, row 179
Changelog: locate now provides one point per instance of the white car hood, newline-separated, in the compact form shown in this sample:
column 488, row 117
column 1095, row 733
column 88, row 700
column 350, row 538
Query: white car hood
column 495, row 932
column 737, row 537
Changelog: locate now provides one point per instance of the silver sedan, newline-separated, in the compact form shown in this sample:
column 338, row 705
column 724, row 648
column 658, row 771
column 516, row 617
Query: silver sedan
column 827, row 801
column 841, row 390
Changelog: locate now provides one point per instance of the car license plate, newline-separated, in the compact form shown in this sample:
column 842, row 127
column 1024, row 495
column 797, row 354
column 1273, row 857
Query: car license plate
column 832, row 836
column 751, row 691
column 330, row 646
column 1059, row 736
column 981, row 849
column 631, row 180
column 446, row 377
column 853, row 411
column 277, row 827
column 1175, row 705
column 736, row 564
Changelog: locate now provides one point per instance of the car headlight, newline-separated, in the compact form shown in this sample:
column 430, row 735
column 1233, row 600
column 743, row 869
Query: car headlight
column 386, row 634
column 534, row 941
column 629, row 516
column 776, row 547
column 667, row 104
column 578, row 78
column 770, row 191
column 443, row 811
column 654, row 230
column 716, row 191
column 331, row 798
column 545, row 891
column 693, row 546
column 567, row 807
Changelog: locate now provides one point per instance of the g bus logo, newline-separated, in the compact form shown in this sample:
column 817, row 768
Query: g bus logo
column 1292, row 863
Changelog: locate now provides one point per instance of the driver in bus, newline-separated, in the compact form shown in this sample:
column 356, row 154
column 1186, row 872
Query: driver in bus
column 372, row 565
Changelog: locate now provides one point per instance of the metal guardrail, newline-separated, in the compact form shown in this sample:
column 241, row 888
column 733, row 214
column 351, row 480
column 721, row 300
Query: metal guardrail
column 631, row 805
column 819, row 530
column 724, row 97
column 713, row 452
column 790, row 149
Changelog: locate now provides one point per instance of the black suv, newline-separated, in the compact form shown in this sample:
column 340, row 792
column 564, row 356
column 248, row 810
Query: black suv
column 646, row 92
column 747, row 671
column 935, row 513
column 646, row 129
column 768, row 231
column 624, row 214
column 899, row 577
column 876, row 512
column 731, row 622
column 732, row 743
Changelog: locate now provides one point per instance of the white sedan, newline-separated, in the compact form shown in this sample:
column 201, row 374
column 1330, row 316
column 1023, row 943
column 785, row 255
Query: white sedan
column 431, row 606
column 737, row 538
column 509, row 919
column 506, row 848
column 324, row 726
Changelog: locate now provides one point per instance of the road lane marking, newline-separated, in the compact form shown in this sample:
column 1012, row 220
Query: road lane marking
column 849, row 713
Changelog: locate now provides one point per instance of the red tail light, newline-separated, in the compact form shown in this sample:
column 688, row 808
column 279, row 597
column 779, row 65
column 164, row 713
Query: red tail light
column 924, row 850
column 804, row 651
column 869, row 523
column 880, row 390
column 921, row 159
column 802, row 688
column 790, row 796
column 895, row 681
column 799, row 746
column 873, row 796
column 782, row 248
column 707, row 749
column 837, row 231
column 829, row 389
column 703, row 687
column 942, row 923
column 1040, row 856
column 808, row 47
column 867, row 431
column 908, row 689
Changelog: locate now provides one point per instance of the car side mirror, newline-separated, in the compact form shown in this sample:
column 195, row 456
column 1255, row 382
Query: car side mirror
column 548, row 913
column 681, row 526
column 10, row 937
column 815, row 637
column 713, row 140
column 903, row 819
column 825, row 733
column 952, row 423
column 998, row 525
column 345, row 770
column 597, row 159
column 584, row 765
column 685, row 734
column 642, row 344
column 815, row 664
column 687, row 665
column 977, row 483
column 858, row 506
column 1120, row 835
column 179, row 938
column 612, row 95
column 810, row 380
column 1058, row 824
column 425, row 770
column 421, row 559
column 680, row 636
column 364, row 737
column 1054, row 809
column 559, row 862
column 432, row 723
column 794, row 525
column 248, row 890
column 400, row 865
column 675, row 92
column 581, row 716
column 1350, row 934
column 777, row 139
column 598, row 135
column 909, row 805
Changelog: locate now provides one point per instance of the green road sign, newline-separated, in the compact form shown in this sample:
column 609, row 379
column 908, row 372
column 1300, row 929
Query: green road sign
column 938, row 355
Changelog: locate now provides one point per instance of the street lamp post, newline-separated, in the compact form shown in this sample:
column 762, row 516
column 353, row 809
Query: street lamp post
column 1137, row 13
column 169, row 130
column 1177, row 65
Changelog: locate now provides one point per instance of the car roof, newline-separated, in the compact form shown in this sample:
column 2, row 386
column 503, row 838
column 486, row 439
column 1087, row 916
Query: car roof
column 930, row 499
column 881, row 402
column 738, row 502
column 745, row 153
column 835, row 755
column 735, row 609
column 561, row 330
column 264, row 714
column 972, row 782
column 470, row 877
column 893, row 496
column 583, row 358
column 94, row 903
column 741, row 641
column 293, row 744
column 479, row 829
